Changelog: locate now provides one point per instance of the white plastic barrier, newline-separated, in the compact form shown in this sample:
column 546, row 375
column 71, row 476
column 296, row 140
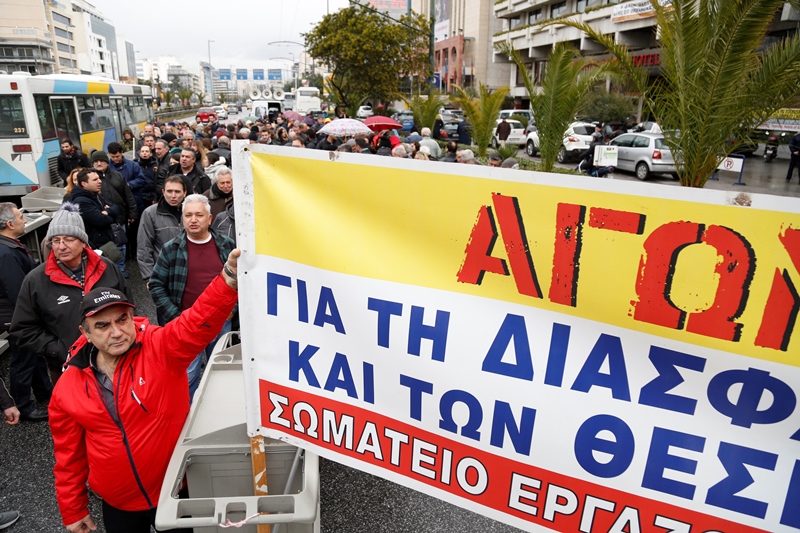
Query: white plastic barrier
column 213, row 456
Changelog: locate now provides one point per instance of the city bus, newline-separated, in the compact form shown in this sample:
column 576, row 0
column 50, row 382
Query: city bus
column 36, row 112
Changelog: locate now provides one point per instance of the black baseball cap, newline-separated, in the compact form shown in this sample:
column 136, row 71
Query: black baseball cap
column 98, row 299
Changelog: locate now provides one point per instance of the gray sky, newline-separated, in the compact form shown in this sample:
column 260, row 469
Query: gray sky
column 240, row 29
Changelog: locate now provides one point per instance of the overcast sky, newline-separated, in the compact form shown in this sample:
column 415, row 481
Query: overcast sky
column 240, row 29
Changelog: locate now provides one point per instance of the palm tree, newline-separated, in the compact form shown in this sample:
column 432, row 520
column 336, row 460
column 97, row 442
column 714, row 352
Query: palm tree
column 425, row 109
column 221, row 97
column 169, row 97
column 568, row 81
column 718, row 80
column 201, row 96
column 185, row 95
column 481, row 113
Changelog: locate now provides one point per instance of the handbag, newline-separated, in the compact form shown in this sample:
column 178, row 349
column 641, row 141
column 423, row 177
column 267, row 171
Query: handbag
column 111, row 251
column 120, row 237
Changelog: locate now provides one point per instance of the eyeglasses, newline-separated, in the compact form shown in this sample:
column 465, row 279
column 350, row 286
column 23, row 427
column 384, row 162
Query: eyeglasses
column 57, row 241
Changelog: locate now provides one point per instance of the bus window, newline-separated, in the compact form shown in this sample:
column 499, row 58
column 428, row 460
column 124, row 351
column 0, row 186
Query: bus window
column 12, row 119
column 45, row 116
column 65, row 119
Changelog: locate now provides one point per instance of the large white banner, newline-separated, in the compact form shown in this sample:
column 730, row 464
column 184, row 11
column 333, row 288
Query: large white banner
column 559, row 353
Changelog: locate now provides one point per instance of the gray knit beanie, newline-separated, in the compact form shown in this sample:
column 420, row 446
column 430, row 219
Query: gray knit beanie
column 67, row 221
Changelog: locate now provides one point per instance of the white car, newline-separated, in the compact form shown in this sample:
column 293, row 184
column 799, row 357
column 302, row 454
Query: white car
column 221, row 112
column 506, row 113
column 576, row 139
column 517, row 135
column 364, row 111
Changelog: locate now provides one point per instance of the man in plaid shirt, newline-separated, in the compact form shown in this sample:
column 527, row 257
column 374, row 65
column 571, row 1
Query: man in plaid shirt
column 184, row 268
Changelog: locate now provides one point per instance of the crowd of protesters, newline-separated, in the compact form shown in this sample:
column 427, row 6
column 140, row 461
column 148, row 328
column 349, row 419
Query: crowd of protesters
column 69, row 320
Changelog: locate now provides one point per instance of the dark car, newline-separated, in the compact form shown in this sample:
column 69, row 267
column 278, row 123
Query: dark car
column 406, row 118
column 206, row 114
column 744, row 146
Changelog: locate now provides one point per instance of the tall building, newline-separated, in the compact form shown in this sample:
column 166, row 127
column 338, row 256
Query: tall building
column 463, row 52
column 60, row 23
column 631, row 23
column 26, row 42
column 126, row 58
column 97, row 45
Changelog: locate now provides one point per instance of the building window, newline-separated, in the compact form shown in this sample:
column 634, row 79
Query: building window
column 61, row 19
column 66, row 48
column 556, row 10
column 513, row 22
column 101, row 56
column 25, row 52
column 66, row 62
column 6, row 52
column 63, row 33
column 534, row 16
column 539, row 69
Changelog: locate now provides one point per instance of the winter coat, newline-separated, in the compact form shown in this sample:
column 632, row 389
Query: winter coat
column 15, row 263
column 218, row 200
column 137, row 181
column 116, row 191
column 157, row 227
column 46, row 317
column 149, row 167
column 225, row 223
column 211, row 170
column 223, row 152
column 97, row 224
column 168, row 280
column 196, row 181
column 162, row 172
column 464, row 132
column 438, row 128
column 69, row 162
column 124, row 457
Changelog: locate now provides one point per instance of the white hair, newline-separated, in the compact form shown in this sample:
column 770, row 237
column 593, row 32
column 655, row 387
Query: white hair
column 399, row 151
column 426, row 132
column 467, row 155
column 224, row 170
column 196, row 198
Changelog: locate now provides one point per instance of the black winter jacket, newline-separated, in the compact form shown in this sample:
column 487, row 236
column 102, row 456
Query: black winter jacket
column 15, row 263
column 98, row 225
column 47, row 317
column 116, row 191
column 68, row 163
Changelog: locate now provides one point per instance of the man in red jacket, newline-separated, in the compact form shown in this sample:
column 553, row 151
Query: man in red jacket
column 119, row 407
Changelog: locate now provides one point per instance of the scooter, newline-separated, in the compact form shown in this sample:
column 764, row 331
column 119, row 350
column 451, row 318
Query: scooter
column 771, row 149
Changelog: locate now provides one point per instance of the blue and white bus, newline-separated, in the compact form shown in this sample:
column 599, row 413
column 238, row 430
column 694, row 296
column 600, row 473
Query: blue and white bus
column 36, row 112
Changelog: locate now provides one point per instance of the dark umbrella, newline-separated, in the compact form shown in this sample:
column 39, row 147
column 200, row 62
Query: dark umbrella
column 380, row 123
column 309, row 120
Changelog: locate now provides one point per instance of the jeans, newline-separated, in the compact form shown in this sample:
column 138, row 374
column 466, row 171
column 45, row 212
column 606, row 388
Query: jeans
column 28, row 370
column 194, row 372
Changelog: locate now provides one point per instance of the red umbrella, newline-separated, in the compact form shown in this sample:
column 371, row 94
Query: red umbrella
column 293, row 116
column 380, row 123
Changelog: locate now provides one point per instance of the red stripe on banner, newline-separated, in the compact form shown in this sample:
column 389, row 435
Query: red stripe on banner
column 535, row 495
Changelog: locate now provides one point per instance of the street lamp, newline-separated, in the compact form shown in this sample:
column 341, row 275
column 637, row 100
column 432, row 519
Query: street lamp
column 210, row 72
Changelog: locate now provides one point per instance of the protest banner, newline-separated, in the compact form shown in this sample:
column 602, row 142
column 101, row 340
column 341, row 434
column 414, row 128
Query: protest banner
column 559, row 353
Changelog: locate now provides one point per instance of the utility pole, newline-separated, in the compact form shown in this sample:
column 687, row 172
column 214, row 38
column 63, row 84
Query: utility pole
column 432, row 16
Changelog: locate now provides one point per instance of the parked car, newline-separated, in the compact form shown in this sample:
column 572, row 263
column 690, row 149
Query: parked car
column 221, row 113
column 364, row 111
column 517, row 135
column 406, row 118
column 452, row 115
column 233, row 109
column 744, row 146
column 643, row 154
column 450, row 130
column 206, row 114
column 576, row 139
column 647, row 126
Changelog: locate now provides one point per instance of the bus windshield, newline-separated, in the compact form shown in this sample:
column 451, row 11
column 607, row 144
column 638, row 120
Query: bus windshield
column 12, row 118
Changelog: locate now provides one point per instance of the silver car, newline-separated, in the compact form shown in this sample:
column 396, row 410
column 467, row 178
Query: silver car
column 644, row 153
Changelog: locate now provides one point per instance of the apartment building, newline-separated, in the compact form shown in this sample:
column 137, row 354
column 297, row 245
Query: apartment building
column 26, row 41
